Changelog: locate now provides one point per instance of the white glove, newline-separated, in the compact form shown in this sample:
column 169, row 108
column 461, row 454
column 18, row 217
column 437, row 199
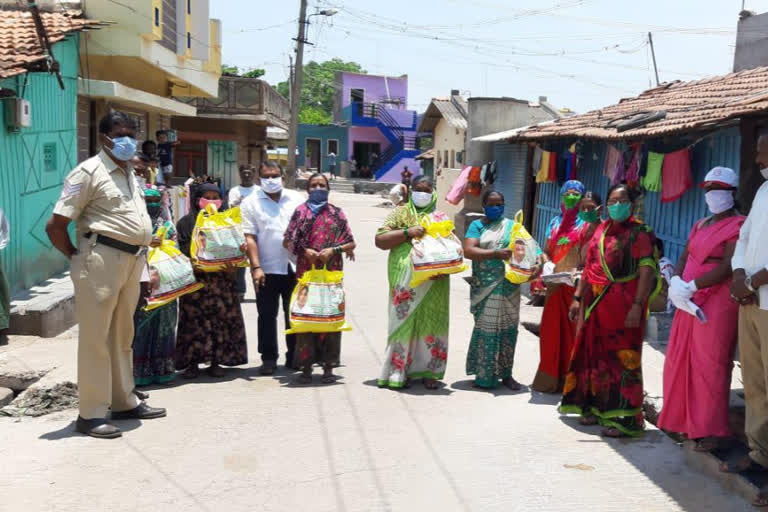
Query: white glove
column 681, row 292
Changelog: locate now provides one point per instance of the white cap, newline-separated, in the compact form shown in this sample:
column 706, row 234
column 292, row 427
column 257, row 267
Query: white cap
column 722, row 176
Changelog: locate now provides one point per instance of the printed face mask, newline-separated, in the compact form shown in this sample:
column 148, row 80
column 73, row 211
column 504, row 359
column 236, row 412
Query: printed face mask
column 318, row 196
column 421, row 199
column 202, row 203
column 620, row 211
column 589, row 216
column 571, row 200
column 272, row 185
column 494, row 212
column 719, row 201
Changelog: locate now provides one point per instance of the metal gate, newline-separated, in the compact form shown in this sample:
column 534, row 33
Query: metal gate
column 511, row 162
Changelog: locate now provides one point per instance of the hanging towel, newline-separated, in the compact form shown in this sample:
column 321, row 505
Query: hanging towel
column 543, row 173
column 618, row 171
column 652, row 180
column 536, row 164
column 474, row 185
column 459, row 187
column 676, row 175
column 633, row 171
column 611, row 160
column 552, row 175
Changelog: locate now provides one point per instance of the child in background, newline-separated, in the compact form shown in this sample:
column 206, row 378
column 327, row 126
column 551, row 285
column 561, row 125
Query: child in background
column 165, row 156
column 149, row 148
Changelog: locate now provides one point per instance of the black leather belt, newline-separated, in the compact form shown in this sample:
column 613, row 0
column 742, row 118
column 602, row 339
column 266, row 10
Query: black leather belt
column 115, row 244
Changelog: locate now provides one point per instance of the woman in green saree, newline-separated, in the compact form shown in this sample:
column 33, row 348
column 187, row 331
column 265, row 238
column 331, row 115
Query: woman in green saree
column 417, row 345
column 495, row 302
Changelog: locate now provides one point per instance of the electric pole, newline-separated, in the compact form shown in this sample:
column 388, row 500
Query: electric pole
column 293, row 132
column 653, row 54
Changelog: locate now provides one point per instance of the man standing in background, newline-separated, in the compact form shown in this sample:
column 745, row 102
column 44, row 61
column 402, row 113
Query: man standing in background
column 332, row 165
column 236, row 196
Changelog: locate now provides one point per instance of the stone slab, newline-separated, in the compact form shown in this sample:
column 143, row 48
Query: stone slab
column 6, row 396
column 45, row 310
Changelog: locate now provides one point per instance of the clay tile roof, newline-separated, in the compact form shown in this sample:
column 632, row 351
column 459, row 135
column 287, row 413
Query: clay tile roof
column 689, row 106
column 19, row 46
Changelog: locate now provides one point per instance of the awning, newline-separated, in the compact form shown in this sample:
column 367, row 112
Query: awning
column 133, row 97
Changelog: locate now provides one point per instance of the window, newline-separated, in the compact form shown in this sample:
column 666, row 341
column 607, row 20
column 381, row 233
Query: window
column 189, row 40
column 445, row 158
column 49, row 157
column 453, row 159
column 439, row 159
column 333, row 147
column 189, row 6
column 157, row 16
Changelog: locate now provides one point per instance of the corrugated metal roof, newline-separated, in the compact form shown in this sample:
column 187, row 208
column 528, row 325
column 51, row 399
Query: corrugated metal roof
column 444, row 108
column 689, row 106
column 19, row 46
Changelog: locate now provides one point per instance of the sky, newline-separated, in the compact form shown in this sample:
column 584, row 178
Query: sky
column 580, row 54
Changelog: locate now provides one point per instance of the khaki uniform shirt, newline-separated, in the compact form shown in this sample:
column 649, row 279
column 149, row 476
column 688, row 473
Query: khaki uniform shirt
column 105, row 199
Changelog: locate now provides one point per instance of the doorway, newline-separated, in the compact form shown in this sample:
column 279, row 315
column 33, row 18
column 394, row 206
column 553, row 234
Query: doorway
column 366, row 155
column 190, row 158
column 312, row 154
column 357, row 98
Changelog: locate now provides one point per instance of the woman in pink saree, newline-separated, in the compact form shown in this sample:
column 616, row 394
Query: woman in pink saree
column 697, row 370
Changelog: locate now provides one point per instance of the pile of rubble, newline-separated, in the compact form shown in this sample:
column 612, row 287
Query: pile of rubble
column 19, row 398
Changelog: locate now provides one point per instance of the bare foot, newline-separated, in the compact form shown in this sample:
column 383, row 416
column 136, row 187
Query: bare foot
column 612, row 432
column 588, row 420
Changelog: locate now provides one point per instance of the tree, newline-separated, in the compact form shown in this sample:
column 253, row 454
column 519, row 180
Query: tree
column 318, row 89
column 226, row 69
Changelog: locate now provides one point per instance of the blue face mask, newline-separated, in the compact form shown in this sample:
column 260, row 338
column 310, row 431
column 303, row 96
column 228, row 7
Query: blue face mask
column 494, row 212
column 318, row 198
column 124, row 149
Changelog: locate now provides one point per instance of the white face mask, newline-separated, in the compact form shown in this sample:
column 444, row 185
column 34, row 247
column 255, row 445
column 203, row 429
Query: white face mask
column 272, row 185
column 764, row 172
column 421, row 199
column 719, row 201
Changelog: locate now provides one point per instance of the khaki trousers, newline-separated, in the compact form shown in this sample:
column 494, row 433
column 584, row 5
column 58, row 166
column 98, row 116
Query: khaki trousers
column 753, row 353
column 107, row 288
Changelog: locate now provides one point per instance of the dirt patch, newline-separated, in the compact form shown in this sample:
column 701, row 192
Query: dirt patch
column 42, row 401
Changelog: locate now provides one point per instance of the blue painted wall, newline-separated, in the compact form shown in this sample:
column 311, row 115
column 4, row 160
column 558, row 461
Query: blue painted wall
column 324, row 133
column 672, row 222
column 29, row 183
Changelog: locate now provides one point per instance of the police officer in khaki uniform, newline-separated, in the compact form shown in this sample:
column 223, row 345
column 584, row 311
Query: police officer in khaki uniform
column 113, row 231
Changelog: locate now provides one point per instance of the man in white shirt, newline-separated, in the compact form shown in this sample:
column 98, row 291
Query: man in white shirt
column 236, row 196
column 750, row 289
column 266, row 214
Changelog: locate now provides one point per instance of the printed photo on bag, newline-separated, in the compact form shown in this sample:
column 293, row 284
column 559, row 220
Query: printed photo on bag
column 219, row 245
column 523, row 256
column 323, row 302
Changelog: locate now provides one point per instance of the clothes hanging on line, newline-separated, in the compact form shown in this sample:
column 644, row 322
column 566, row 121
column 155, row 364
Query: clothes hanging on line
column 676, row 175
column 459, row 187
column 652, row 179
column 542, row 175
column 536, row 163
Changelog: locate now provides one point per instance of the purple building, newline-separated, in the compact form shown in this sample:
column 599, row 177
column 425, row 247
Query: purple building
column 381, row 132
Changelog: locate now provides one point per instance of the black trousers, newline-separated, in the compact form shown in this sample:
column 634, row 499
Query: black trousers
column 268, row 298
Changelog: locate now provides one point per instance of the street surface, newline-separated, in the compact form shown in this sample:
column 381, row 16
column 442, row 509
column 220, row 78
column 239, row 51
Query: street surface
column 248, row 442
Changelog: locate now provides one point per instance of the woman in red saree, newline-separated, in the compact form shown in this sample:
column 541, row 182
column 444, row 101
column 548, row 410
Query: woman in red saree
column 697, row 368
column 604, row 383
column 557, row 331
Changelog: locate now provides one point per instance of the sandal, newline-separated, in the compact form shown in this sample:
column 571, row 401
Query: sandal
column 216, row 371
column 588, row 421
column 431, row 384
column 613, row 433
column 706, row 444
column 192, row 372
column 512, row 384
column 328, row 376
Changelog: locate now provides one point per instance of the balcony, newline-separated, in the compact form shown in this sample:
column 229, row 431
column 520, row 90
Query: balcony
column 248, row 99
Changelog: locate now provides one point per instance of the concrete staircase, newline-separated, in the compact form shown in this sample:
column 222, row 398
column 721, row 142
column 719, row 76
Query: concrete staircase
column 344, row 186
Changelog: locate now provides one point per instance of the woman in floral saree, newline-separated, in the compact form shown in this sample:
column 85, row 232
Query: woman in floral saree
column 604, row 383
column 417, row 345
column 495, row 302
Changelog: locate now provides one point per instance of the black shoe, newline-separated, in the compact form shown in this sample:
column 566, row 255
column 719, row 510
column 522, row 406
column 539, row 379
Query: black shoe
column 268, row 368
column 141, row 395
column 99, row 428
column 142, row 412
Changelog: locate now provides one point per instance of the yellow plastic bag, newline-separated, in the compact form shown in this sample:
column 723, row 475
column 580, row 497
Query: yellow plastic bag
column 218, row 240
column 438, row 252
column 170, row 273
column 525, row 251
column 318, row 303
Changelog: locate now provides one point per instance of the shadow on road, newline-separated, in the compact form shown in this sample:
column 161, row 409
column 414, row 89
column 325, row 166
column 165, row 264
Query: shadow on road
column 468, row 385
column 538, row 398
column 416, row 388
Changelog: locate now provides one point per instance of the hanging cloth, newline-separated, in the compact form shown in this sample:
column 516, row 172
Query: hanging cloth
column 632, row 175
column 490, row 177
column 612, row 156
column 676, row 175
column 543, row 173
column 459, row 187
column 536, row 164
column 474, row 185
column 552, row 175
column 652, row 180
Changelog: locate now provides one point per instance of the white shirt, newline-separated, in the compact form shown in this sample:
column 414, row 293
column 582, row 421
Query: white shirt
column 267, row 220
column 751, row 251
column 239, row 193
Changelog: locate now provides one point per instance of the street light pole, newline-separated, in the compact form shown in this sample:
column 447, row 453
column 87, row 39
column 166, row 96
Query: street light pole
column 293, row 131
column 295, row 87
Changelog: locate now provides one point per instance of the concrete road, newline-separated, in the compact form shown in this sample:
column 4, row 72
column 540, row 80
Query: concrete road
column 258, row 443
